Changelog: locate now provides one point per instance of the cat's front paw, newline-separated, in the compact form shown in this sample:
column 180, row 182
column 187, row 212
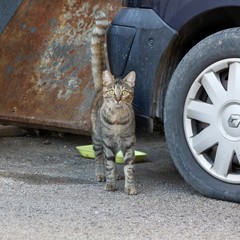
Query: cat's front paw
column 100, row 178
column 131, row 190
column 110, row 187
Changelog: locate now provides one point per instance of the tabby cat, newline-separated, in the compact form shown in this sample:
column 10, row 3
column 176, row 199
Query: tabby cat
column 112, row 115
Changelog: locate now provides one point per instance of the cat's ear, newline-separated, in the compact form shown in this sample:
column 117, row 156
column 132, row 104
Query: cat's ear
column 107, row 77
column 130, row 79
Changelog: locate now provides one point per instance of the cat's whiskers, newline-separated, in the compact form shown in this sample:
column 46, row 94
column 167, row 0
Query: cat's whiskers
column 133, row 106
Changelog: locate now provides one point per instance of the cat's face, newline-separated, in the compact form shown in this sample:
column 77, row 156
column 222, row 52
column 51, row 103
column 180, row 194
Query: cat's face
column 117, row 92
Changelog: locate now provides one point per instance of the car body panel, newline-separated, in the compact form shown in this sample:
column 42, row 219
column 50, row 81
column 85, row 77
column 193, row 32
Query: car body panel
column 177, row 13
column 147, row 44
column 157, row 24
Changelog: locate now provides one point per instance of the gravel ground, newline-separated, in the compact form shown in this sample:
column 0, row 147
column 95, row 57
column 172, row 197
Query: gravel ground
column 48, row 192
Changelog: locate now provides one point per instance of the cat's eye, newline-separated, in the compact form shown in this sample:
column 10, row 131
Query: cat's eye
column 124, row 93
column 111, row 92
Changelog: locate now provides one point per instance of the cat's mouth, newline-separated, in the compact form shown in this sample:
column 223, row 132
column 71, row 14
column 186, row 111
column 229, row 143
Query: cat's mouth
column 118, row 105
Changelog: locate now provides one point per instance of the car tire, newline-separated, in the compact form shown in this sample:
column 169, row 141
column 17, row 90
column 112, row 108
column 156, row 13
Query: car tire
column 202, row 116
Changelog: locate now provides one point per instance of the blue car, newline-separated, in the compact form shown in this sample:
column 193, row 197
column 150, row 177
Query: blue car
column 186, row 55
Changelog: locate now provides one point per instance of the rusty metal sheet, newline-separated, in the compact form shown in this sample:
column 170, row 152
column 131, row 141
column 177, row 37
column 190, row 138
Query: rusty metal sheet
column 45, row 69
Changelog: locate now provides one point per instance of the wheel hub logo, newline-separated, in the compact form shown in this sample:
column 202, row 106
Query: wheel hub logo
column 234, row 121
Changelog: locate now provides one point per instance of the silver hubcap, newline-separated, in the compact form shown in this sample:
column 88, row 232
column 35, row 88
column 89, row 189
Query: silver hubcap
column 212, row 120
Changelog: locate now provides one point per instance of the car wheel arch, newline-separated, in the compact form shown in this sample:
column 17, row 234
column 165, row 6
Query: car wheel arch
column 187, row 37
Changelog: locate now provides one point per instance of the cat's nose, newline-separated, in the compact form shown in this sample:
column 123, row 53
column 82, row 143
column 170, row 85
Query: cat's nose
column 118, row 98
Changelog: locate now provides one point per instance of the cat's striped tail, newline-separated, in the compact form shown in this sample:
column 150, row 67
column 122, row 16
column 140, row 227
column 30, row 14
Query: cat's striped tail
column 98, row 49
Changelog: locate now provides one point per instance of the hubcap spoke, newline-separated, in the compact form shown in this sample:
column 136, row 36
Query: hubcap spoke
column 223, row 159
column 205, row 140
column 200, row 111
column 234, row 80
column 237, row 151
column 214, row 88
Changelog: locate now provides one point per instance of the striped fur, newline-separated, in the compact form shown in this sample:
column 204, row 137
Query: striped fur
column 112, row 115
column 98, row 49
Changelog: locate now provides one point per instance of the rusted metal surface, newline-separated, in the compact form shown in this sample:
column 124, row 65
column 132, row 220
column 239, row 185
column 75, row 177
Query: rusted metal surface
column 45, row 67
